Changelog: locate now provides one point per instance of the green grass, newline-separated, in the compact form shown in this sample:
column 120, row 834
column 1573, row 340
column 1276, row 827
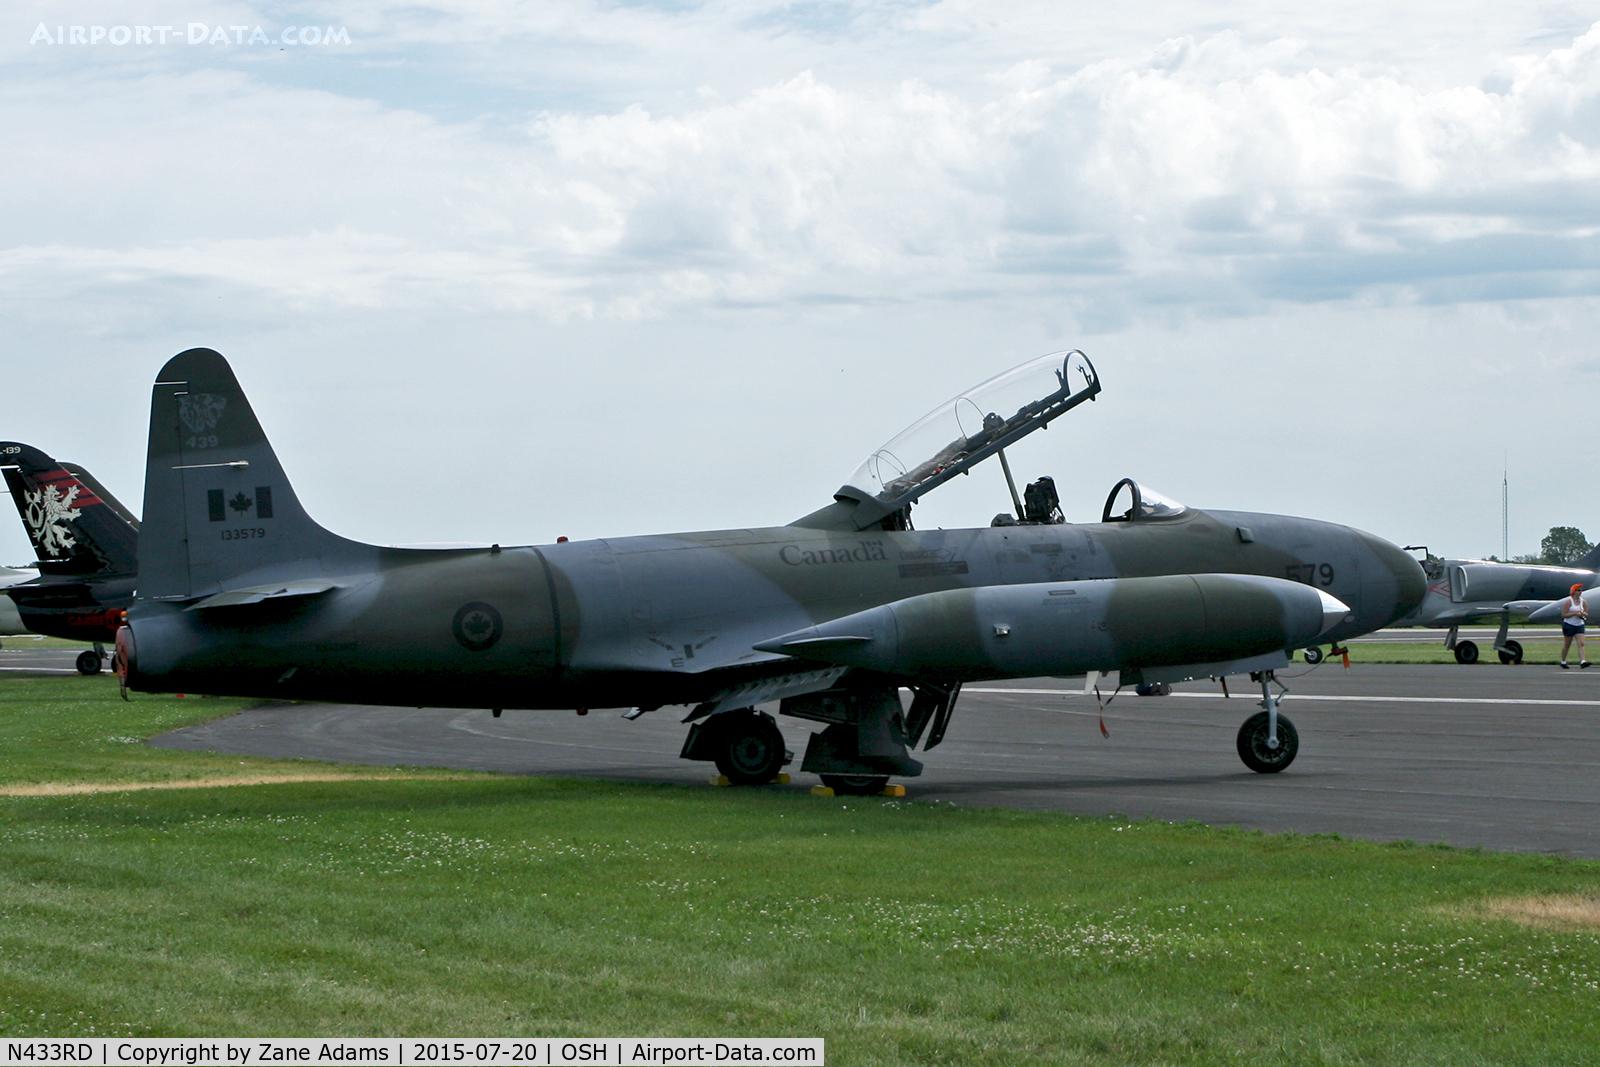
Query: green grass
column 70, row 730
column 38, row 641
column 1533, row 652
column 900, row 932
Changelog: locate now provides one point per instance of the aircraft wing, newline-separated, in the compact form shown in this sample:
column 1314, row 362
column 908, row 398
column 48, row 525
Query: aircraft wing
column 1549, row 611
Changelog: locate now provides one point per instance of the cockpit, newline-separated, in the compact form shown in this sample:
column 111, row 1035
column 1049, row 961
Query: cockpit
column 1131, row 502
column 969, row 428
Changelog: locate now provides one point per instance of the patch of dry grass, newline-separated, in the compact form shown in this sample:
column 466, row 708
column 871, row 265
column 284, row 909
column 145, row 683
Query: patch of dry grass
column 64, row 789
column 1555, row 912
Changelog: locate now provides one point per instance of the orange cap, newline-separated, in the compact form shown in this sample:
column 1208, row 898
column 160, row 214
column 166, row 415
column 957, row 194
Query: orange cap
column 1577, row 587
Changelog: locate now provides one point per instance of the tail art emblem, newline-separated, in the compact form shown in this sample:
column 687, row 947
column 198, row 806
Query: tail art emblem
column 200, row 411
column 46, row 509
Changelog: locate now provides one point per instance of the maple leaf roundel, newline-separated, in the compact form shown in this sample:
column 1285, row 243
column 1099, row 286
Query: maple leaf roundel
column 477, row 625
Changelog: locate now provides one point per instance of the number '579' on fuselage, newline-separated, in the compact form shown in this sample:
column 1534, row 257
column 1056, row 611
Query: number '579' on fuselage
column 240, row 592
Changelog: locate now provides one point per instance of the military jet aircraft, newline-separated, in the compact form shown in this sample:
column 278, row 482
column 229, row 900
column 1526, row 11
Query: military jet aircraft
column 241, row 592
column 1467, row 590
column 86, row 544
column 10, row 621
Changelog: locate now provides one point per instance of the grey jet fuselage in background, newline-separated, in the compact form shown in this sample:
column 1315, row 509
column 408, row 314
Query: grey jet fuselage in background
column 1467, row 590
column 242, row 593
column 10, row 620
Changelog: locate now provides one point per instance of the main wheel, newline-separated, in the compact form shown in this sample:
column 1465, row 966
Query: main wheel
column 750, row 750
column 1153, row 689
column 89, row 662
column 1512, row 653
column 856, row 785
column 1467, row 652
column 1253, row 744
column 1313, row 655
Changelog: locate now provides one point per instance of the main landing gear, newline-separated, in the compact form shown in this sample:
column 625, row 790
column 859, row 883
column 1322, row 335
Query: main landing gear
column 1267, row 741
column 744, row 744
column 867, row 735
column 90, row 662
column 1466, row 652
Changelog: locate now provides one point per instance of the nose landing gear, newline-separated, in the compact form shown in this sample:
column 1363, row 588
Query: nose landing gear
column 1267, row 741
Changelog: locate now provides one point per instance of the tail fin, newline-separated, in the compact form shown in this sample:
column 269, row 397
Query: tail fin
column 218, row 510
column 1589, row 561
column 77, row 528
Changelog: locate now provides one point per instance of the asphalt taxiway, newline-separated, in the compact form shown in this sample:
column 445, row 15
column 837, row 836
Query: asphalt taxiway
column 21, row 655
column 1493, row 756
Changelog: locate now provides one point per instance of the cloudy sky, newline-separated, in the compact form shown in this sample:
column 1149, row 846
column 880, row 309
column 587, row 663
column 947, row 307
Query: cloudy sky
column 505, row 271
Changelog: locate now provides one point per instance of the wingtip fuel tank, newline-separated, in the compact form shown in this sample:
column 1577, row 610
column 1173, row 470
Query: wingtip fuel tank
column 1020, row 631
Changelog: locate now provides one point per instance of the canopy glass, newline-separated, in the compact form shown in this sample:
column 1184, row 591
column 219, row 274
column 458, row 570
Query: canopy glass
column 974, row 424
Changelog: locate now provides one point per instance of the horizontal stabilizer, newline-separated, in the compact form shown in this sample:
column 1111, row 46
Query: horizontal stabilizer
column 800, row 646
column 234, row 598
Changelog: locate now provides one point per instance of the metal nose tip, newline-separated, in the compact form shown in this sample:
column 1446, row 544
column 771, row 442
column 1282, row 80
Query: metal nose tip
column 1334, row 610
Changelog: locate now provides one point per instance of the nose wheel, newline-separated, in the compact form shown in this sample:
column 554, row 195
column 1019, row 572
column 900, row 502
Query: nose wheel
column 1256, row 751
column 1267, row 741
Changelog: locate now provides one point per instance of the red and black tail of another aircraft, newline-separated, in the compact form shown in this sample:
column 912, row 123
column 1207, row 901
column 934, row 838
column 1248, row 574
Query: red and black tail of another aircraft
column 76, row 526
column 86, row 543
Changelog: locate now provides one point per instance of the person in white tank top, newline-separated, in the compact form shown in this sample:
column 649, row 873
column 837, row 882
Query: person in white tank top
column 1574, row 613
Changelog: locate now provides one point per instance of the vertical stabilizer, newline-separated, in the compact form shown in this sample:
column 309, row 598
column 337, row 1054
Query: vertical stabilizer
column 76, row 527
column 1589, row 561
column 218, row 510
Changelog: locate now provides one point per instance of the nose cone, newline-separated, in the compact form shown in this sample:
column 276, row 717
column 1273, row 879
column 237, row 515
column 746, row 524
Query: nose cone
column 1392, row 584
column 1334, row 611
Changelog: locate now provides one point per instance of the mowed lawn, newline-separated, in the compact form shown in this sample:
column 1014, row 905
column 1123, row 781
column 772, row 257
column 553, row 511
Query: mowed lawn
column 426, row 903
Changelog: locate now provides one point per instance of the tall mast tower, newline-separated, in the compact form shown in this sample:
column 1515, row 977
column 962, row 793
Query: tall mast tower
column 1505, row 514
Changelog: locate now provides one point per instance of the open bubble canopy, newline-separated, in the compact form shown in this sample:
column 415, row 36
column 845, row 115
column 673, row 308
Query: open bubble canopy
column 974, row 425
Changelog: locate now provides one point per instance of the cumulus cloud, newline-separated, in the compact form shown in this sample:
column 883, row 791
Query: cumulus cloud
column 1208, row 172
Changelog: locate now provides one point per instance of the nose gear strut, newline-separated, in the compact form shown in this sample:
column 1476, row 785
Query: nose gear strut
column 1268, row 741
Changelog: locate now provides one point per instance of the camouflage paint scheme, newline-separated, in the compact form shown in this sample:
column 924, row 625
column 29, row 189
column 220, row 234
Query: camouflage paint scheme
column 242, row 593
